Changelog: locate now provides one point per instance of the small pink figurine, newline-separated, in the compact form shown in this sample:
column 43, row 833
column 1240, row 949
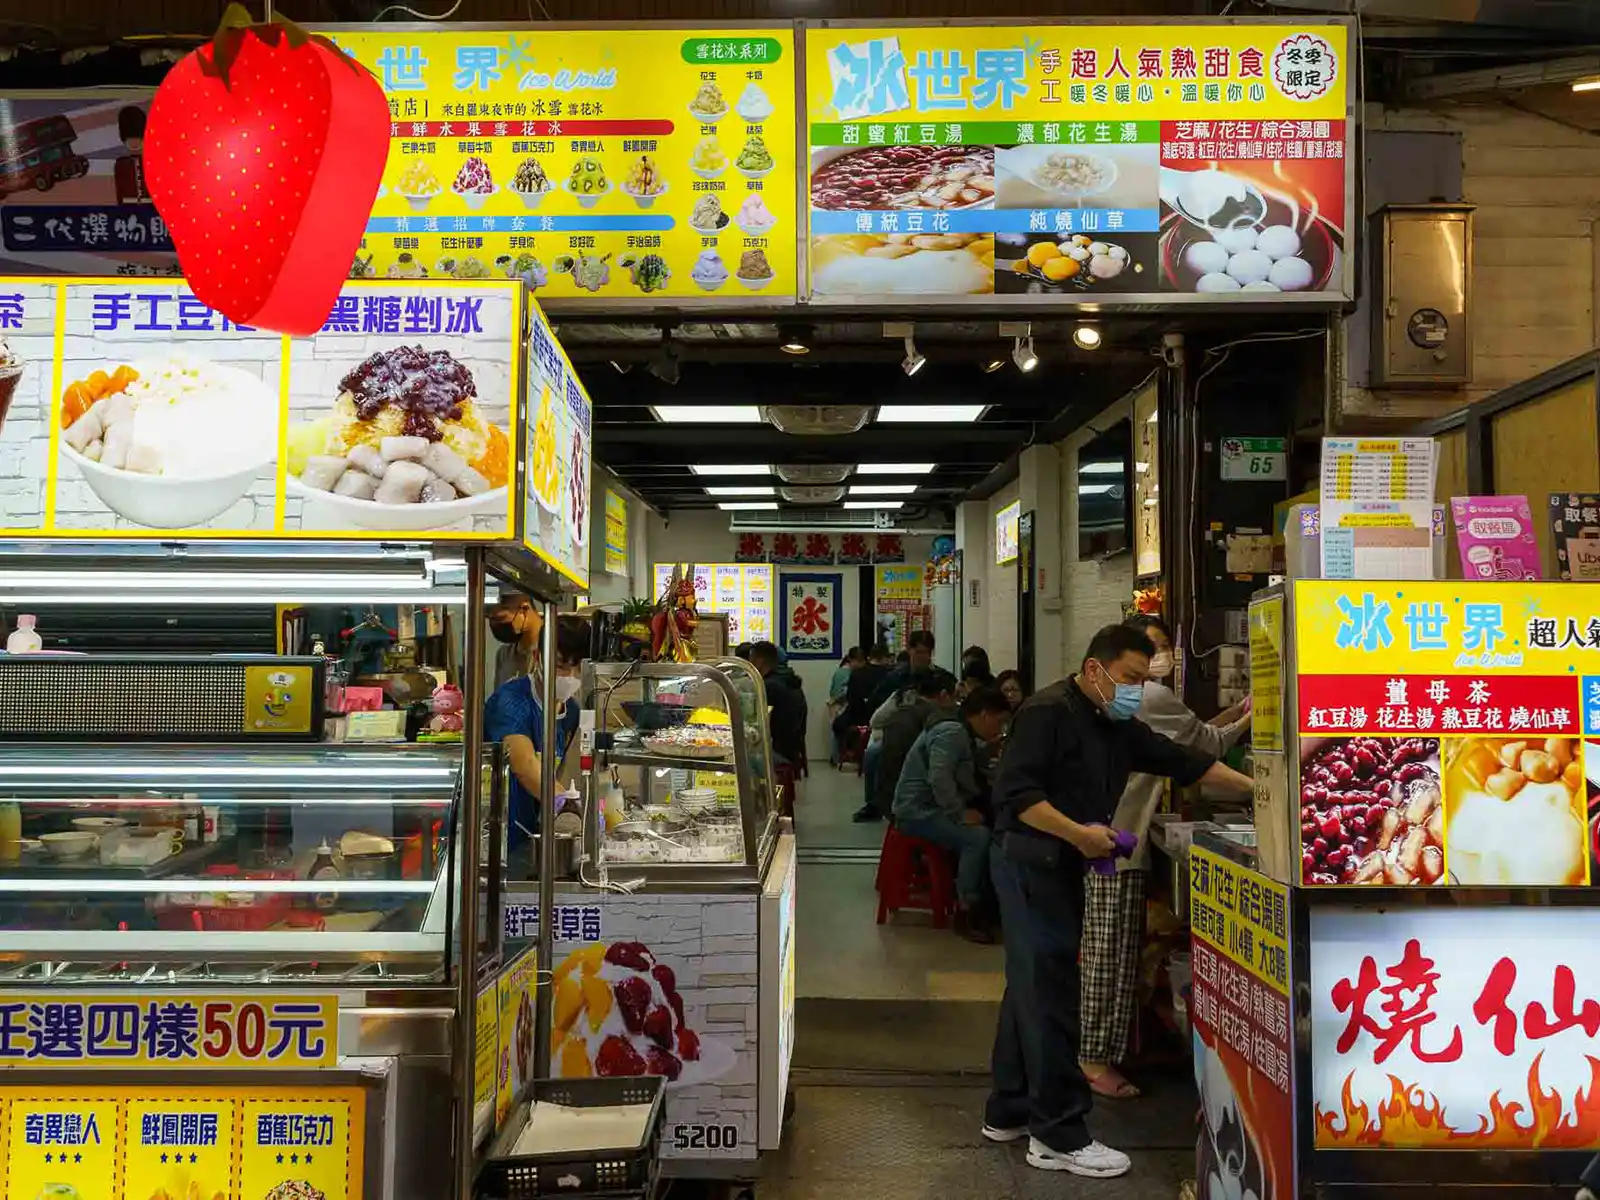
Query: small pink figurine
column 446, row 703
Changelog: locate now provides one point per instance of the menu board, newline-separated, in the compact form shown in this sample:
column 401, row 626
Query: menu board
column 557, row 448
column 1377, row 507
column 282, row 1143
column 131, row 409
column 616, row 163
column 741, row 590
column 1448, row 732
column 1007, row 533
column 1075, row 163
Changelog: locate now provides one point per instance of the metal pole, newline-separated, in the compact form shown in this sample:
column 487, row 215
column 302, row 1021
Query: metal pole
column 462, row 1058
column 548, row 763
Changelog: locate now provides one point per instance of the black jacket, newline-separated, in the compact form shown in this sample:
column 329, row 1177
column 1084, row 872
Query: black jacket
column 900, row 733
column 788, row 726
column 1064, row 751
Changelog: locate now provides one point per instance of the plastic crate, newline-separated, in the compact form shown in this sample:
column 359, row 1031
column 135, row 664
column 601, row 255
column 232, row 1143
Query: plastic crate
column 619, row 1173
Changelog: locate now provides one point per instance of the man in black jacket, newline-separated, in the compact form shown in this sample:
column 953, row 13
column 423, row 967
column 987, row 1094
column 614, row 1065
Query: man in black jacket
column 1071, row 750
column 902, row 729
column 787, row 702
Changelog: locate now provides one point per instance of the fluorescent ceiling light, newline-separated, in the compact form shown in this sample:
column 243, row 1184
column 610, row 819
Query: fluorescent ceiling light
column 874, row 503
column 1100, row 468
column 743, row 490
column 1095, row 489
column 882, row 489
column 1587, row 85
column 893, row 468
column 707, row 414
column 746, row 505
column 740, row 469
column 907, row 413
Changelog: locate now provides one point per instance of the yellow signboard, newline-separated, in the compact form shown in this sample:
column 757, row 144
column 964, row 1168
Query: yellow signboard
column 184, row 1143
column 898, row 582
column 485, row 1054
column 1266, row 675
column 617, row 163
column 137, row 1030
column 1078, row 162
column 1243, row 914
column 139, row 412
column 616, row 534
column 515, row 1000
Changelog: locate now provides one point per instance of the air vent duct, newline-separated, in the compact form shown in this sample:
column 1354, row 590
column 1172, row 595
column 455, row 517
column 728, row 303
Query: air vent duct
column 814, row 474
column 817, row 420
column 813, row 495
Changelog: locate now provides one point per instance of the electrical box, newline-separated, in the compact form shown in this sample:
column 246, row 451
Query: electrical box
column 1422, row 311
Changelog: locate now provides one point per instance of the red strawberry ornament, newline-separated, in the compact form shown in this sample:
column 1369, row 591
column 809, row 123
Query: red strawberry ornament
column 263, row 153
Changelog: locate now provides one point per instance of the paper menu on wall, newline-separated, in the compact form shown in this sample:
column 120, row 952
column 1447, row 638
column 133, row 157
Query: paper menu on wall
column 1377, row 507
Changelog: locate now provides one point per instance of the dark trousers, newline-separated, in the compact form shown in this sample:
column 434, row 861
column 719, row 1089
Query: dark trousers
column 1037, row 1080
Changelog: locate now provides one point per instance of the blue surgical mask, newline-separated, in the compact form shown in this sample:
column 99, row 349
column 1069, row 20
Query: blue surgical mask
column 1125, row 699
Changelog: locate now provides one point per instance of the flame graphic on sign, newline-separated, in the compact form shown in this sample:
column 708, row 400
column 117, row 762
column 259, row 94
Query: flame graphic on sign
column 1413, row 1118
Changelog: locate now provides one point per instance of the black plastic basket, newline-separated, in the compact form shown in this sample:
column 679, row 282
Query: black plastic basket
column 621, row 1173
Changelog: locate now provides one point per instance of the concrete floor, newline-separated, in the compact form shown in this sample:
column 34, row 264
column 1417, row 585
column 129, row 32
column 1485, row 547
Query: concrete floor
column 892, row 1045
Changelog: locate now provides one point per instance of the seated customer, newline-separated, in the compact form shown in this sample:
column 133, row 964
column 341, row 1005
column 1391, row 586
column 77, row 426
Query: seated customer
column 906, row 717
column 787, row 704
column 514, row 717
column 938, row 790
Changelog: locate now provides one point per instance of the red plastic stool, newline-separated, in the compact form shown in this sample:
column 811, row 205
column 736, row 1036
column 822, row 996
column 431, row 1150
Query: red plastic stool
column 853, row 747
column 913, row 873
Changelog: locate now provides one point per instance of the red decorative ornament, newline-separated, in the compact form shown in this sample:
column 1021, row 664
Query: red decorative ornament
column 263, row 152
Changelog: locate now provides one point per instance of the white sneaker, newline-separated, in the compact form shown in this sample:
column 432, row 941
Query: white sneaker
column 1094, row 1160
column 1004, row 1136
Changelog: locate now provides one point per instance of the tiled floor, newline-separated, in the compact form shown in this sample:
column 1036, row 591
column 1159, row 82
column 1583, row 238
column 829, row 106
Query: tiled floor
column 892, row 1046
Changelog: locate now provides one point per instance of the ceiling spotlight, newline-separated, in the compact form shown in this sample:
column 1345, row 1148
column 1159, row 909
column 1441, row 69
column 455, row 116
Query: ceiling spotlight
column 993, row 365
column 665, row 365
column 792, row 339
column 1022, row 353
column 621, row 368
column 1087, row 337
column 913, row 361
column 1587, row 85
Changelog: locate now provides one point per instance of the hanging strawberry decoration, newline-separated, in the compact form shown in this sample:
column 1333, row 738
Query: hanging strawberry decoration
column 263, row 152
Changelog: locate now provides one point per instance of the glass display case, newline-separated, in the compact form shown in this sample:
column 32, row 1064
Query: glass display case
column 682, row 786
column 279, row 862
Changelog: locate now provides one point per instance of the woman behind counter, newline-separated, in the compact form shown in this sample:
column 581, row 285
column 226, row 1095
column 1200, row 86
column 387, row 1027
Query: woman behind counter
column 514, row 717
column 1113, row 921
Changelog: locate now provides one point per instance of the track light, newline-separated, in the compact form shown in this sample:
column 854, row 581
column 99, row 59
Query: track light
column 993, row 365
column 1087, row 337
column 665, row 365
column 913, row 361
column 1022, row 353
column 792, row 339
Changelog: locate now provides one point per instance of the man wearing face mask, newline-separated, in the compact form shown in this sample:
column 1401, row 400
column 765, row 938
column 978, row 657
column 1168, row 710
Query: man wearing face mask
column 1072, row 747
column 514, row 717
column 517, row 625
column 1113, row 921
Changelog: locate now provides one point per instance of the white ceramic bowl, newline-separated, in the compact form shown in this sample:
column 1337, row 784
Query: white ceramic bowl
column 695, row 800
column 474, row 200
column 160, row 502
column 644, row 201
column 586, row 199
column 417, row 203
column 754, row 118
column 97, row 824
column 69, row 845
column 346, row 512
column 705, row 174
column 710, row 287
column 703, row 232
column 532, row 200
column 761, row 174
column 756, row 230
column 755, row 285
column 709, row 118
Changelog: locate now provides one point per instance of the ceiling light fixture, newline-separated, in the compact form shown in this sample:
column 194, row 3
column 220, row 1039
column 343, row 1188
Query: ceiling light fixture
column 1587, row 85
column 621, row 368
column 903, row 468
column 1087, row 337
column 875, row 504
column 707, row 414
column 882, row 489
column 1023, row 354
column 904, row 414
column 792, row 339
column 913, row 361
column 735, row 469
column 748, row 505
column 742, row 490
column 993, row 365
column 665, row 365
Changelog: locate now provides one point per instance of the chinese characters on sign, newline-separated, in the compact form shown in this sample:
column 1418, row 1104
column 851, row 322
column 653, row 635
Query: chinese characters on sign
column 1072, row 161
column 558, row 441
column 809, row 625
column 112, row 1029
column 573, row 922
column 1452, row 1028
column 1442, row 732
column 1239, row 941
column 741, row 590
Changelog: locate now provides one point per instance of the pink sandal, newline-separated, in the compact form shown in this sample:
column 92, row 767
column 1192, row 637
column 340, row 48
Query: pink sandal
column 1111, row 1084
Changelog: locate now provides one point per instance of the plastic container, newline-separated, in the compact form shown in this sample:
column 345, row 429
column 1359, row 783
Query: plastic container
column 621, row 1171
column 25, row 638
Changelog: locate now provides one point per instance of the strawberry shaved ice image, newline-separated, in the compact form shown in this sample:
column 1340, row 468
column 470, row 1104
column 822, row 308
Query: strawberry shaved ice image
column 617, row 1012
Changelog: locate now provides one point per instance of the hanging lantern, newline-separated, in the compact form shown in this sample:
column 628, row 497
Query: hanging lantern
column 263, row 152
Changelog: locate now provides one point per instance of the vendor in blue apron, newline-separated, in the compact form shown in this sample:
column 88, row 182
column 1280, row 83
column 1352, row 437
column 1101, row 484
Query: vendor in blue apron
column 514, row 717
column 1071, row 750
